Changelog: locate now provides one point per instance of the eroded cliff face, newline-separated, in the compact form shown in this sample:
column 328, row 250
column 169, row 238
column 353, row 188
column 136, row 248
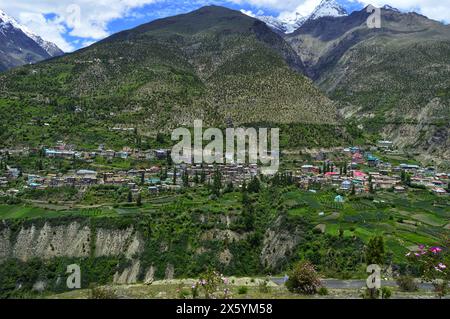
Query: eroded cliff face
column 279, row 244
column 127, row 251
column 71, row 240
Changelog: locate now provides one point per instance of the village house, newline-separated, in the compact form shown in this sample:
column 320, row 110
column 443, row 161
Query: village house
column 440, row 191
column 372, row 161
column 13, row 173
column 409, row 168
column 61, row 154
column 161, row 154
column 385, row 144
column 346, row 185
column 310, row 169
column 399, row 189
column 357, row 158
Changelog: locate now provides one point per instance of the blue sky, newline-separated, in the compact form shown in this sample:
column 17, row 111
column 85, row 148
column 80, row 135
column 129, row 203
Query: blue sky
column 73, row 24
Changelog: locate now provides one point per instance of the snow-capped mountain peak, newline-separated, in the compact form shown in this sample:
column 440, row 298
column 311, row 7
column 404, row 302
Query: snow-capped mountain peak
column 8, row 22
column 388, row 7
column 328, row 8
column 287, row 25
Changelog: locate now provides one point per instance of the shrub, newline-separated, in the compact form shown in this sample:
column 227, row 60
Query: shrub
column 407, row 284
column 263, row 286
column 303, row 279
column 183, row 294
column 102, row 293
column 323, row 291
column 441, row 288
column 373, row 293
column 386, row 293
column 242, row 290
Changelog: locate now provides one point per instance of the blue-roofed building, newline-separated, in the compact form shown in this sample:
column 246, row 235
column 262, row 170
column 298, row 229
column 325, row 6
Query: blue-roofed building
column 372, row 160
column 346, row 185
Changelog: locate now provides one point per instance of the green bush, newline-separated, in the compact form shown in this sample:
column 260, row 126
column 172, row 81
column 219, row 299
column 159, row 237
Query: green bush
column 386, row 293
column 441, row 288
column 407, row 284
column 242, row 290
column 263, row 286
column 323, row 291
column 303, row 279
column 102, row 293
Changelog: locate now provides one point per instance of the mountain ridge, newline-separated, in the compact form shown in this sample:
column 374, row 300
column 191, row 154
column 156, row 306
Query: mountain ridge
column 394, row 80
column 289, row 25
column 214, row 64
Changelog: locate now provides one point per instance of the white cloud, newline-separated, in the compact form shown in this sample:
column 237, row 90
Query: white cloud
column 305, row 8
column 435, row 9
column 87, row 19
column 279, row 5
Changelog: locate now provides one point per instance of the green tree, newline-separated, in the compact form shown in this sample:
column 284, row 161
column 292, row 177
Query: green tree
column 139, row 200
column 375, row 251
column 174, row 178
column 203, row 177
column 196, row 178
column 160, row 139
column 185, row 178
column 217, row 182
column 254, row 186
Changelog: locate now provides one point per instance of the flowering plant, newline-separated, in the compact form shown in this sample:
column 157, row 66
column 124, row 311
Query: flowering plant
column 211, row 283
column 432, row 263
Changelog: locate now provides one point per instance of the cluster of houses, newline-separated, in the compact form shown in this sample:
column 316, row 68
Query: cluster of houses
column 379, row 175
column 363, row 172
column 67, row 152
column 138, row 178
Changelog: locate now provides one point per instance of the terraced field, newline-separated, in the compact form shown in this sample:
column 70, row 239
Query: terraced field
column 406, row 220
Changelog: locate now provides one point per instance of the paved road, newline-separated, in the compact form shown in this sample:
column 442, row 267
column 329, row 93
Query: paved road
column 355, row 284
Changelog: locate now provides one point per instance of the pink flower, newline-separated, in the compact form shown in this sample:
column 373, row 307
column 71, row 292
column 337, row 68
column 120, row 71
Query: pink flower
column 421, row 247
column 435, row 250
column 442, row 266
column 416, row 254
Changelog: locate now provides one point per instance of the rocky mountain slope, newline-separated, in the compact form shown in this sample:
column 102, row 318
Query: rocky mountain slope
column 19, row 46
column 394, row 80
